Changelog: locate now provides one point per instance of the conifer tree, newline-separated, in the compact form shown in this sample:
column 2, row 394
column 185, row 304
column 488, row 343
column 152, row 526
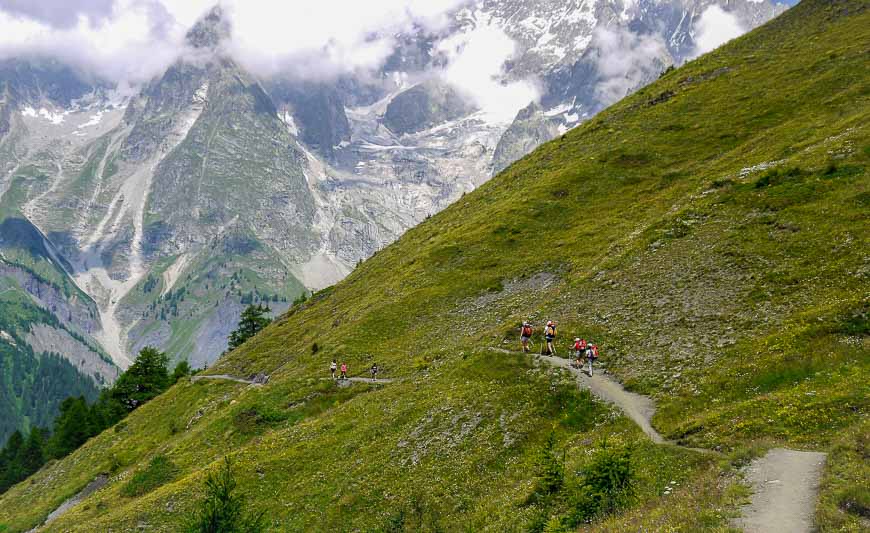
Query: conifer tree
column 146, row 378
column 250, row 323
column 32, row 455
column 10, row 469
column 72, row 427
column 182, row 370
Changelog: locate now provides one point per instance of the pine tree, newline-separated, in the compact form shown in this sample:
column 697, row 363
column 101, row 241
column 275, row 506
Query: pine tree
column 250, row 323
column 551, row 468
column 222, row 510
column 182, row 370
column 146, row 378
column 32, row 455
column 10, row 469
column 72, row 427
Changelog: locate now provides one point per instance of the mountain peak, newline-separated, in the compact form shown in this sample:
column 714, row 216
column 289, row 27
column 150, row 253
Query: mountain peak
column 210, row 30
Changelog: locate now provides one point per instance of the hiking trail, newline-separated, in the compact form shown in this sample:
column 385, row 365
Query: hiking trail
column 637, row 407
column 92, row 487
column 263, row 379
column 785, row 483
column 366, row 380
column 227, row 377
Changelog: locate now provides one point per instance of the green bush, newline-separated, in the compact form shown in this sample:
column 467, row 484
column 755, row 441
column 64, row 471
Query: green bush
column 223, row 511
column 551, row 469
column 776, row 176
column 158, row 472
column 564, row 503
column 609, row 479
column 254, row 418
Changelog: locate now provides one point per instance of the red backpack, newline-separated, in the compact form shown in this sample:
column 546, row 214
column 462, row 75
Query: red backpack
column 527, row 331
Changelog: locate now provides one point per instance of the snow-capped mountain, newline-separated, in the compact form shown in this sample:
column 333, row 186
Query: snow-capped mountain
column 174, row 205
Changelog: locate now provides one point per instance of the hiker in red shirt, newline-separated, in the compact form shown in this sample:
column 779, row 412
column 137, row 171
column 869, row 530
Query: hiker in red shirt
column 525, row 335
column 579, row 350
column 343, row 370
column 592, row 356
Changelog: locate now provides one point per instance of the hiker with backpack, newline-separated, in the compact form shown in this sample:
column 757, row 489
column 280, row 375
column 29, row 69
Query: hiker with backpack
column 374, row 370
column 592, row 356
column 343, row 371
column 332, row 367
column 550, row 335
column 525, row 336
column 579, row 351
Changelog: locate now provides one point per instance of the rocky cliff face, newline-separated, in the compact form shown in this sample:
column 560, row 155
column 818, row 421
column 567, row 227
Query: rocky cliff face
column 424, row 106
column 529, row 130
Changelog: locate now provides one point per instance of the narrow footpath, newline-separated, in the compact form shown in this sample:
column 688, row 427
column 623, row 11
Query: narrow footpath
column 637, row 407
column 261, row 380
column 227, row 377
column 785, row 483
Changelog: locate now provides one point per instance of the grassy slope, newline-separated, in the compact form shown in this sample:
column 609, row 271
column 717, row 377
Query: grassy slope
column 737, row 299
column 31, row 386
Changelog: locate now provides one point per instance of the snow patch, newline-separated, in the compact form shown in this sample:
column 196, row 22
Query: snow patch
column 94, row 119
column 7, row 337
column 288, row 121
column 54, row 118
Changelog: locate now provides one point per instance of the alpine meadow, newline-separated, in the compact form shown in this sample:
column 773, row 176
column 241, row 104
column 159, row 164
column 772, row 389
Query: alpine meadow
column 710, row 232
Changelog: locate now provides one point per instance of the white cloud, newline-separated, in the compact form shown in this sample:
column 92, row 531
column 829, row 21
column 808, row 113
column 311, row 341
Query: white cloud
column 625, row 61
column 132, row 43
column 714, row 28
column 133, row 40
column 475, row 66
column 324, row 37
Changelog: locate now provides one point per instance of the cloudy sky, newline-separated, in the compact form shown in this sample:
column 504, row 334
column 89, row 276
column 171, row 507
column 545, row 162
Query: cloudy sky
column 130, row 41
column 134, row 39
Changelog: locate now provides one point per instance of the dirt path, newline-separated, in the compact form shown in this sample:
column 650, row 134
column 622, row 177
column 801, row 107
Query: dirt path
column 265, row 379
column 227, row 377
column 369, row 380
column 637, row 407
column 785, row 487
column 92, row 487
column 785, row 483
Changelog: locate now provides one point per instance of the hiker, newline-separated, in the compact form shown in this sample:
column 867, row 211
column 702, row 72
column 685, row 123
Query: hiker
column 343, row 370
column 332, row 367
column 579, row 351
column 550, row 335
column 374, row 371
column 592, row 356
column 525, row 335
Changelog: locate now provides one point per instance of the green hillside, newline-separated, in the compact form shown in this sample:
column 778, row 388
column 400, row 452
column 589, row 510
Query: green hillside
column 32, row 386
column 710, row 232
column 37, row 296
